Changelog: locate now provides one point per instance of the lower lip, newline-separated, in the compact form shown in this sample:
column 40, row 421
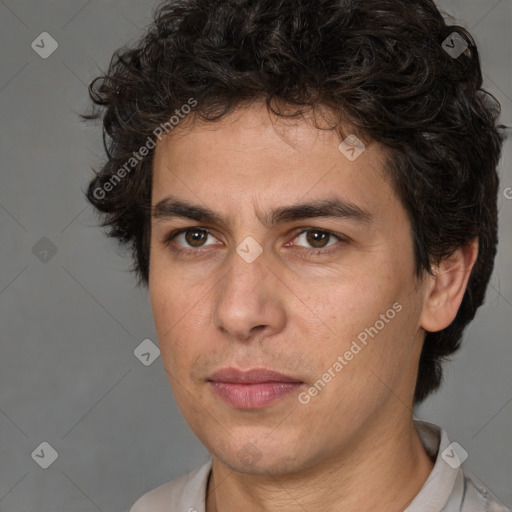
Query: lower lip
column 253, row 396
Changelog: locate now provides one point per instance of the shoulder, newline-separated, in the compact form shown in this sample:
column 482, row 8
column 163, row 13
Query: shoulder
column 185, row 493
column 451, row 486
column 477, row 498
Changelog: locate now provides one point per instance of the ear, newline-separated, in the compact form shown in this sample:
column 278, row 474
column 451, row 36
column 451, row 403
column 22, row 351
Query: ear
column 445, row 289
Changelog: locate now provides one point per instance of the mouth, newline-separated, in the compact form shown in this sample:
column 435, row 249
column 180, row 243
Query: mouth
column 252, row 389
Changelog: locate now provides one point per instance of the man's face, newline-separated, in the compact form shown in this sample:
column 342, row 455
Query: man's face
column 294, row 309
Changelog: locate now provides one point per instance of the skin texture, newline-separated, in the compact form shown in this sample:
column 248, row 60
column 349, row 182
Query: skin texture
column 353, row 445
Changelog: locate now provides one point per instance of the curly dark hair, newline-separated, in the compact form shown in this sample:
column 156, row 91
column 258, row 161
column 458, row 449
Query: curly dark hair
column 384, row 66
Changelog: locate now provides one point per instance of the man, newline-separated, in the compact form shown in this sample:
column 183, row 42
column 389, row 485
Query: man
column 309, row 188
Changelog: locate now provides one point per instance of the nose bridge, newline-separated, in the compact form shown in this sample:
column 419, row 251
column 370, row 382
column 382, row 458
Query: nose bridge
column 243, row 279
column 242, row 301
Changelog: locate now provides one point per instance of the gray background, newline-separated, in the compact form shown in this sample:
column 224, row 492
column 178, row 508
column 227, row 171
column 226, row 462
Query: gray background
column 69, row 325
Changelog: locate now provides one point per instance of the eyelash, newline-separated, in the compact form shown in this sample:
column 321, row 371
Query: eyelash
column 197, row 252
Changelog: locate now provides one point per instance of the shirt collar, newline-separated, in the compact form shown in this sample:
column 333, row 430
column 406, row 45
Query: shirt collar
column 443, row 491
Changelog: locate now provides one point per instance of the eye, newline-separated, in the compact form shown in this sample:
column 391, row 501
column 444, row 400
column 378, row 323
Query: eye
column 190, row 238
column 319, row 239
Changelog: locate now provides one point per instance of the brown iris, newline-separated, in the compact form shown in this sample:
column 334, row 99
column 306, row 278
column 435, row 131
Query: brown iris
column 314, row 237
column 195, row 237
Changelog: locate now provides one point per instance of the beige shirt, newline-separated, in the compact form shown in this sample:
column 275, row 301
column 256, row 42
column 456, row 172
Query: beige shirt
column 447, row 489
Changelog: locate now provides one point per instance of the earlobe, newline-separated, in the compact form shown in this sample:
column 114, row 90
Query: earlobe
column 446, row 287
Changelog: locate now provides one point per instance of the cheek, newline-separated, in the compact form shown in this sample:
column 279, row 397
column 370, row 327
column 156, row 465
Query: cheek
column 376, row 308
column 355, row 301
column 161, row 297
column 169, row 293
column 167, row 311
column 180, row 316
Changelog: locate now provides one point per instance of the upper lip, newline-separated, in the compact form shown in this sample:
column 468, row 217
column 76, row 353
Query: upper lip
column 252, row 376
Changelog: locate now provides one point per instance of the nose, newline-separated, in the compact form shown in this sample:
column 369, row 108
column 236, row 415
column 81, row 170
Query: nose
column 250, row 299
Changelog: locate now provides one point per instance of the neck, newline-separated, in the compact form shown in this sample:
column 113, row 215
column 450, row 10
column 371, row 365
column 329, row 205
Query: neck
column 383, row 470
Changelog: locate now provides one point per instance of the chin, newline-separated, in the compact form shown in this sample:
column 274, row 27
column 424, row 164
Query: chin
column 275, row 466
column 254, row 455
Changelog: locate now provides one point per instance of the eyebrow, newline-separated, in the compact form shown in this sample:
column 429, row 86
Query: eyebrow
column 332, row 207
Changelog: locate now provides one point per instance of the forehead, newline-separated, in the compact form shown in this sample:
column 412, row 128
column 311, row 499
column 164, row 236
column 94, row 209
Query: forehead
column 252, row 156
